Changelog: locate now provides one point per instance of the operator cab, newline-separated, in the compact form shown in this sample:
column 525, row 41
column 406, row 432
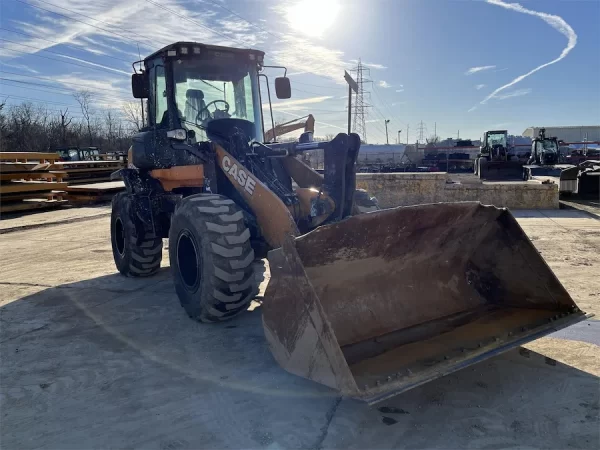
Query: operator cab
column 189, row 85
column 544, row 150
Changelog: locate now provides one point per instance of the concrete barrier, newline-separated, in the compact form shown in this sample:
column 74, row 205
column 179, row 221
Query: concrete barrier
column 404, row 189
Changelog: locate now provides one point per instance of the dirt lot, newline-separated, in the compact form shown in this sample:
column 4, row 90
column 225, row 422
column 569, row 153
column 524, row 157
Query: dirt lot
column 94, row 360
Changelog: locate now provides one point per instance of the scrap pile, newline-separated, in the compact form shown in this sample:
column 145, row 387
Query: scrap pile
column 85, row 172
column 89, row 181
column 27, row 182
column 94, row 192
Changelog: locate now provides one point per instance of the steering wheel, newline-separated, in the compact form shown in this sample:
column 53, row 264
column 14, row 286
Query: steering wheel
column 217, row 114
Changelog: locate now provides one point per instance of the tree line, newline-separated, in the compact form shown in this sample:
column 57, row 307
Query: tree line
column 35, row 127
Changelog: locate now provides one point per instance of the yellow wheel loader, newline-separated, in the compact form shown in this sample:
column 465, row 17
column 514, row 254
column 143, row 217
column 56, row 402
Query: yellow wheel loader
column 369, row 304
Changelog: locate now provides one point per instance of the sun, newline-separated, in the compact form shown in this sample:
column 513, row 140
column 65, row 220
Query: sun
column 312, row 17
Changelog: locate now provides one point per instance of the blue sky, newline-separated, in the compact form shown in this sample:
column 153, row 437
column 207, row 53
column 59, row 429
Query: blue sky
column 462, row 65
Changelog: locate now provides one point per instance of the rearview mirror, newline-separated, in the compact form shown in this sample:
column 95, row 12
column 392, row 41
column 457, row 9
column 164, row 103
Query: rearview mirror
column 140, row 86
column 283, row 89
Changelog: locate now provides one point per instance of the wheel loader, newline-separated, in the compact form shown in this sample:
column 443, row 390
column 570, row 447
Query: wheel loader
column 369, row 304
column 496, row 159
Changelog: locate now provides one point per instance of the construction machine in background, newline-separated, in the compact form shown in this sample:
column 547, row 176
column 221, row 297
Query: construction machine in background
column 496, row 159
column 368, row 304
column 581, row 179
column 544, row 161
column 293, row 125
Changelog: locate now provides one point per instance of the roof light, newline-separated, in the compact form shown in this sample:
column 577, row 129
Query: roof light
column 196, row 50
column 171, row 52
column 183, row 50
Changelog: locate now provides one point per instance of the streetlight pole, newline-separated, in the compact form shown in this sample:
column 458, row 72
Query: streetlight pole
column 399, row 131
column 387, row 141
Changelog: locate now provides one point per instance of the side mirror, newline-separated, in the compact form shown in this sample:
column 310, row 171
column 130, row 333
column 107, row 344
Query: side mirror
column 140, row 85
column 283, row 89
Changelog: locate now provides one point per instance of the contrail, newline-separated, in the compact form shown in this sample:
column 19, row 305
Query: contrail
column 556, row 22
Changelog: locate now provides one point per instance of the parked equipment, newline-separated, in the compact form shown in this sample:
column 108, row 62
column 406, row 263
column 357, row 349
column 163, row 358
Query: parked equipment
column 370, row 304
column 292, row 125
column 79, row 153
column 582, row 179
column 544, row 150
column 496, row 160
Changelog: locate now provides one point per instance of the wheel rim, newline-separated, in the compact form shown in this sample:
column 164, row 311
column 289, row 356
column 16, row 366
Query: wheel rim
column 187, row 260
column 120, row 236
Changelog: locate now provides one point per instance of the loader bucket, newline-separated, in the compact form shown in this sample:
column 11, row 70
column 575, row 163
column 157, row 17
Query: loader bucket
column 385, row 301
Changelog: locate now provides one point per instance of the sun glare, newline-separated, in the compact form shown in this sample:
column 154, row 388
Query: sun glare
column 312, row 17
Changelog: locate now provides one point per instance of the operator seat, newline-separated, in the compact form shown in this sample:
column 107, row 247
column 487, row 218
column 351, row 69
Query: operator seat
column 194, row 103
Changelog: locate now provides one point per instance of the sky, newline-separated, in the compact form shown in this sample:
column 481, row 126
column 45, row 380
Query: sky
column 454, row 66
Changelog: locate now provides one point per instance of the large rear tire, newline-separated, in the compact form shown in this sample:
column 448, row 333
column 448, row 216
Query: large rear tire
column 211, row 258
column 134, row 257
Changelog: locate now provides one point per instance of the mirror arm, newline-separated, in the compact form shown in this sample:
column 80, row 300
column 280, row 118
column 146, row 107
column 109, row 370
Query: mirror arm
column 270, row 107
column 278, row 67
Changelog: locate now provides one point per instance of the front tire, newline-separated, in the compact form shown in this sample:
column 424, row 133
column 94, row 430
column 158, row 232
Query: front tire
column 211, row 258
column 134, row 256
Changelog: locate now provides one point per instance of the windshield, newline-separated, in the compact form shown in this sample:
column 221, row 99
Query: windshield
column 497, row 139
column 212, row 90
column 549, row 146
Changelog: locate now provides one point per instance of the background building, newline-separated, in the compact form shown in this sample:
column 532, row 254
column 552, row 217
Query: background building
column 568, row 134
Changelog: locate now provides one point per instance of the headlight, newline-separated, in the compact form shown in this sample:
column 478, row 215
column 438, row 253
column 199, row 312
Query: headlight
column 180, row 134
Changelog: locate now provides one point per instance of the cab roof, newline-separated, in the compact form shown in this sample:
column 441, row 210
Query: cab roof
column 204, row 47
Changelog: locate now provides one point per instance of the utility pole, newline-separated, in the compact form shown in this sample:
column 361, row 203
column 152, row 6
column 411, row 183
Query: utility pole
column 387, row 140
column 422, row 131
column 360, row 104
column 407, row 130
column 399, row 141
column 434, row 129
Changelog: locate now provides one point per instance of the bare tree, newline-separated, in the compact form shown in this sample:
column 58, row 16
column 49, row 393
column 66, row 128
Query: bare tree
column 64, row 124
column 432, row 140
column 85, row 100
column 133, row 114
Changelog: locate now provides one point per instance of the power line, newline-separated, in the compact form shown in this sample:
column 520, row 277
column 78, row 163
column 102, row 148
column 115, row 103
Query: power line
column 54, row 90
column 246, row 20
column 43, row 78
column 40, row 101
column 92, row 65
column 319, row 85
column 62, row 43
column 194, row 22
column 78, row 20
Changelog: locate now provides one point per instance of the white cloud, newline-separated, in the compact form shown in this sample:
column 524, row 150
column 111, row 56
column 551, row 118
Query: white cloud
column 95, row 64
column 398, row 103
column 556, row 22
column 399, row 90
column 517, row 93
column 472, row 109
column 324, row 124
column 479, row 86
column 473, row 70
column 20, row 67
column 384, row 84
column 291, row 103
column 369, row 64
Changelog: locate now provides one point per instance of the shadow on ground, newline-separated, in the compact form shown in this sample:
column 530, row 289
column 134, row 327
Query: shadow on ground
column 115, row 362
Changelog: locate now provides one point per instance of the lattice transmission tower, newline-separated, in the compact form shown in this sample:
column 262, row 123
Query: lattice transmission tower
column 360, row 102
